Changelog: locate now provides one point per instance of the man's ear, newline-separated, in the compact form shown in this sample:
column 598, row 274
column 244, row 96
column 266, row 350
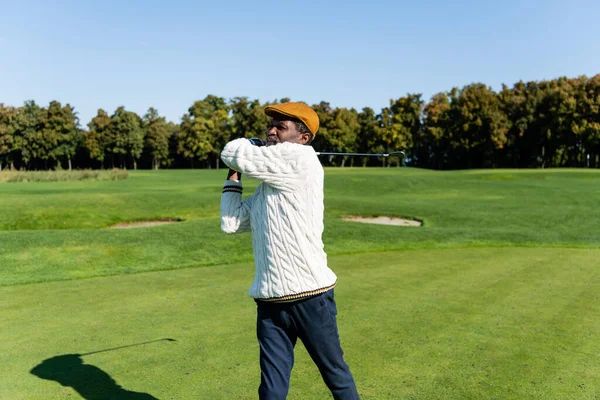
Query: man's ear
column 304, row 138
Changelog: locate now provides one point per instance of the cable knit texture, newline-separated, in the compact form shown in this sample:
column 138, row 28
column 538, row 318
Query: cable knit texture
column 285, row 216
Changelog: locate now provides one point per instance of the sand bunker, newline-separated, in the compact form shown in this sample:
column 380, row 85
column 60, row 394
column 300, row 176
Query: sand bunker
column 144, row 224
column 385, row 221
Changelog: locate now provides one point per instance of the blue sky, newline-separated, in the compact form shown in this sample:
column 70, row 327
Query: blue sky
column 139, row 54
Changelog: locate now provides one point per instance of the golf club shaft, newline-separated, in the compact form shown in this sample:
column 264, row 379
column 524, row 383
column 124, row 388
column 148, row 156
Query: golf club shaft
column 323, row 153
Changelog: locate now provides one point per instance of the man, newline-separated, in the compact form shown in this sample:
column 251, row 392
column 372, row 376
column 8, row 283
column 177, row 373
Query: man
column 293, row 286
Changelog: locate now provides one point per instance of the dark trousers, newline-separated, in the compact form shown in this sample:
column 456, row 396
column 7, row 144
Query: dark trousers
column 313, row 320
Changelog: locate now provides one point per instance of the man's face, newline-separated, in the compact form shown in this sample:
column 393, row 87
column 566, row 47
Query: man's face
column 283, row 130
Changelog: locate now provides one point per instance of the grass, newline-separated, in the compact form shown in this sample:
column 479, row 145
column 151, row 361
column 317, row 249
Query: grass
column 496, row 297
column 51, row 231
column 62, row 176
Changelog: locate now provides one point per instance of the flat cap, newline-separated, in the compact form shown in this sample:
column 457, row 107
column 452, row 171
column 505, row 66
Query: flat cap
column 297, row 110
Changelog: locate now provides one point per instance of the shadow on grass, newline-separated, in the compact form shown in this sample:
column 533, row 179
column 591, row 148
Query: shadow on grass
column 89, row 381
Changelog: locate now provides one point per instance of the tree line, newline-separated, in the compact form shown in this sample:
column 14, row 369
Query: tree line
column 550, row 123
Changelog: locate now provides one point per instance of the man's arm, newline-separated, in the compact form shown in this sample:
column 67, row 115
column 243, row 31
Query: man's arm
column 282, row 166
column 235, row 213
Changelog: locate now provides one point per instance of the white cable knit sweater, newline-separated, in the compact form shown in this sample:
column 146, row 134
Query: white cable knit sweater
column 285, row 215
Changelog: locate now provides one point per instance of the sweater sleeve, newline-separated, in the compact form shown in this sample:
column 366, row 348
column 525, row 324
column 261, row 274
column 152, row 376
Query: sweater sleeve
column 235, row 213
column 283, row 166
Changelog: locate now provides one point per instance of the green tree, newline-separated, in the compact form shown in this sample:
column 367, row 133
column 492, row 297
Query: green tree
column 558, row 116
column 98, row 138
column 204, row 130
column 247, row 118
column 127, row 136
column 480, row 126
column 339, row 129
column 60, row 133
column 344, row 133
column 401, row 123
column 369, row 139
column 588, row 125
column 71, row 135
column 174, row 132
column 29, row 132
column 8, row 145
column 326, row 123
column 437, row 132
column 157, row 133
column 523, row 138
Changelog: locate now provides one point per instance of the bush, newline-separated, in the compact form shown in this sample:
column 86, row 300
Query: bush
column 62, row 176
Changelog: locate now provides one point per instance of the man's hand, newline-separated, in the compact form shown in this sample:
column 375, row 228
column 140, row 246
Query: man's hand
column 234, row 175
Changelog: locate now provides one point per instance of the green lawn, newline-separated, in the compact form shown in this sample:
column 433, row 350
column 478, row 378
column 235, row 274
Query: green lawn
column 495, row 297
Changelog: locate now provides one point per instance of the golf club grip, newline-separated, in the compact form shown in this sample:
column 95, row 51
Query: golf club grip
column 257, row 142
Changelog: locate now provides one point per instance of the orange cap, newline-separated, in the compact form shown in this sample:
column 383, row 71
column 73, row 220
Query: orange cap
column 299, row 111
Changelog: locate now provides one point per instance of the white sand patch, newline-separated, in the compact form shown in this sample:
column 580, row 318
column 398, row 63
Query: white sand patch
column 385, row 221
column 143, row 224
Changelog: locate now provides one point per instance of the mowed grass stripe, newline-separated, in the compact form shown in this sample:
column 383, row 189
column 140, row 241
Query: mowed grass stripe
column 518, row 323
column 478, row 315
column 44, row 256
column 54, row 231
